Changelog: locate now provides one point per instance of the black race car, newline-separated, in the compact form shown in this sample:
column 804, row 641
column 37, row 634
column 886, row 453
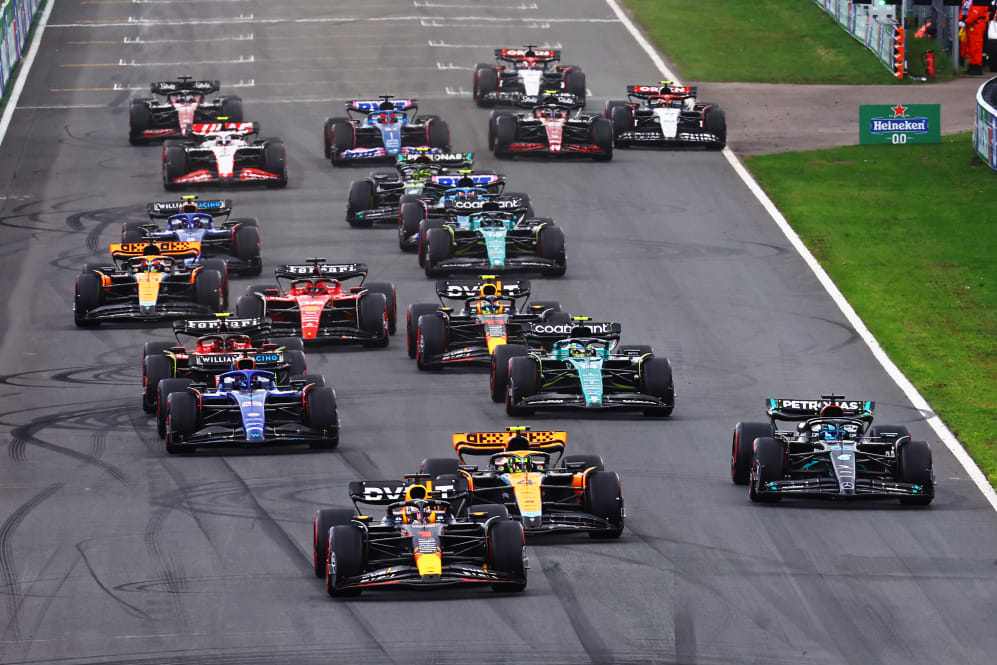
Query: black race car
column 554, row 128
column 224, row 153
column 149, row 119
column 666, row 115
column 524, row 75
column 385, row 130
column 834, row 452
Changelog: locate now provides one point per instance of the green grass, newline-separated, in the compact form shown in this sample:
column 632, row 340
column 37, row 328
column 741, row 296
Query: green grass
column 767, row 41
column 908, row 234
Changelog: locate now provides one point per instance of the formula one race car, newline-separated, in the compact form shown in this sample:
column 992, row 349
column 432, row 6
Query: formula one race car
column 315, row 306
column 386, row 130
column 147, row 282
column 224, row 153
column 422, row 542
column 205, row 222
column 247, row 407
column 545, row 495
column 150, row 119
column 523, row 75
column 553, row 128
column 834, row 452
column 666, row 115
column 493, row 239
column 584, row 369
column 491, row 313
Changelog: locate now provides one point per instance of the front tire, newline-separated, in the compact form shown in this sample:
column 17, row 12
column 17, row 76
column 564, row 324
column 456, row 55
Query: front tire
column 523, row 382
column 499, row 378
column 742, row 449
column 432, row 342
column 322, row 416
column 346, row 559
column 506, row 550
column 325, row 519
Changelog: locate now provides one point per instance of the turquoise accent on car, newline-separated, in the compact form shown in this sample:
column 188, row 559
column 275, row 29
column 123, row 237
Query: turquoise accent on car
column 590, row 376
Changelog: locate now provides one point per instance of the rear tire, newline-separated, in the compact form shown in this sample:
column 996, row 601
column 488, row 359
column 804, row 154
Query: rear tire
column 232, row 109
column 246, row 241
column 325, row 519
column 742, row 449
column 438, row 135
column 499, row 378
column 249, row 307
column 590, row 461
column 574, row 83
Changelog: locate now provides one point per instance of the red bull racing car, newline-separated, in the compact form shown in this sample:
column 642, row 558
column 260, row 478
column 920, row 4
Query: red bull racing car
column 150, row 119
column 224, row 153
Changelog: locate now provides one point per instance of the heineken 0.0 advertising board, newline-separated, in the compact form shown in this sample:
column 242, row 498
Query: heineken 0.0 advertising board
column 900, row 124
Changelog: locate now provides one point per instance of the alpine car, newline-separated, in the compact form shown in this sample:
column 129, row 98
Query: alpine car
column 493, row 240
column 382, row 130
column 834, row 452
column 546, row 495
column 314, row 304
column 150, row 119
column 205, row 222
column 224, row 153
column 248, row 408
column 523, row 75
column 491, row 313
column 422, row 542
column 583, row 368
column 147, row 282
column 666, row 115
column 554, row 128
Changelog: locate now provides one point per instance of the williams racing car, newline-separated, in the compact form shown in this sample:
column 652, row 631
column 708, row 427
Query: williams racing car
column 382, row 130
column 523, row 75
column 147, row 282
column 666, row 115
column 224, row 153
column 422, row 542
column 311, row 302
column 546, row 495
column 581, row 367
column 553, row 128
column 834, row 452
column 491, row 313
column 150, row 119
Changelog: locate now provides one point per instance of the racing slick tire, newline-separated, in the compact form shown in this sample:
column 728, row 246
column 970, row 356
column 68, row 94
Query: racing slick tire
column 249, row 307
column 289, row 343
column 575, row 84
column 505, row 135
column 610, row 105
column 246, row 243
column 715, row 122
column 889, row 432
column 499, row 376
column 486, row 80
column 221, row 268
column 139, row 120
column 550, row 243
column 343, row 138
column 530, row 213
column 275, row 161
column 181, row 420
column 438, row 134
column 742, row 446
column 622, row 118
column 174, row 165
column 325, row 519
column 346, row 559
column 132, row 232
column 604, row 498
column 166, row 388
column 523, row 382
column 410, row 214
column 656, row 380
column 88, row 292
column 590, row 461
column 412, row 324
column 914, row 466
column 374, row 319
column 246, row 221
column 155, row 368
column 438, row 248
column 316, row 380
column 327, row 136
column 768, row 465
column 296, row 363
column 424, row 227
column 231, row 108
column 156, row 348
column 602, row 137
column 388, row 290
column 440, row 466
column 321, row 414
column 360, row 198
column 209, row 290
column 432, row 341
column 506, row 553
column 493, row 119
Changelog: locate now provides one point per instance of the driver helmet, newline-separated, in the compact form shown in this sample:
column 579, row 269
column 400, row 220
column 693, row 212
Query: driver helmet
column 237, row 382
column 831, row 432
column 579, row 350
column 489, row 306
column 260, row 382
column 513, row 464
column 412, row 514
column 244, row 363
column 832, row 411
column 466, row 181
column 188, row 207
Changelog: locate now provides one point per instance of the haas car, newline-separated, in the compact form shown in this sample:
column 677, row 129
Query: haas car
column 666, row 115
column 147, row 282
column 381, row 130
column 546, row 494
column 522, row 76
column 236, row 241
column 833, row 452
column 224, row 153
column 424, row 540
column 555, row 128
column 310, row 301
column 487, row 313
column 248, row 408
column 150, row 119
column 579, row 366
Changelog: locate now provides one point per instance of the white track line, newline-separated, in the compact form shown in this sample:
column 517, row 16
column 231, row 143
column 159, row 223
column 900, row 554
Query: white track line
column 139, row 40
column 22, row 74
column 242, row 59
column 915, row 397
column 523, row 6
column 426, row 21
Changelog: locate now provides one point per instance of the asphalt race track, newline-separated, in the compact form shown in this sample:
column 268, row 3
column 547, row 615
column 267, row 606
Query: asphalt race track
column 113, row 552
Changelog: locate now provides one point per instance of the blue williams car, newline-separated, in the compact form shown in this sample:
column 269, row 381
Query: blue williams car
column 382, row 131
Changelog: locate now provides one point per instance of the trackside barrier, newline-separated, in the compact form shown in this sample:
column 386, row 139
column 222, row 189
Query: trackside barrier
column 876, row 27
column 16, row 19
column 985, row 127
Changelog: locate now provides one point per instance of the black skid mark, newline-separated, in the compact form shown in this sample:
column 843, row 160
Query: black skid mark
column 128, row 607
column 107, row 370
column 586, row 631
column 173, row 577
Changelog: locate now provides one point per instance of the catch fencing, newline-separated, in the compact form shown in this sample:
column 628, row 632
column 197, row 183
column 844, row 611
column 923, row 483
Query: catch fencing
column 985, row 127
column 876, row 27
column 16, row 19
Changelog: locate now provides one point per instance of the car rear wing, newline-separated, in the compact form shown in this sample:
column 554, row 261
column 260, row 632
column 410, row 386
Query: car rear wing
column 179, row 248
column 565, row 100
column 519, row 54
column 164, row 209
column 448, row 159
column 371, row 105
column 242, row 128
column 222, row 323
column 795, row 409
column 415, row 486
column 579, row 327
column 486, row 285
column 479, row 178
column 317, row 268
column 664, row 88
column 490, row 443
column 184, row 83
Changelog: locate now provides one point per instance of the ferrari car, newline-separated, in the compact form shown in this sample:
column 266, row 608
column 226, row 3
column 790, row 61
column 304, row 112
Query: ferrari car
column 237, row 241
column 150, row 119
column 521, row 76
column 666, row 115
column 147, row 282
column 585, row 368
column 248, row 408
column 421, row 542
column 224, row 153
column 833, row 452
column 547, row 494
column 553, row 128
column 377, row 130
column 490, row 313
column 311, row 302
